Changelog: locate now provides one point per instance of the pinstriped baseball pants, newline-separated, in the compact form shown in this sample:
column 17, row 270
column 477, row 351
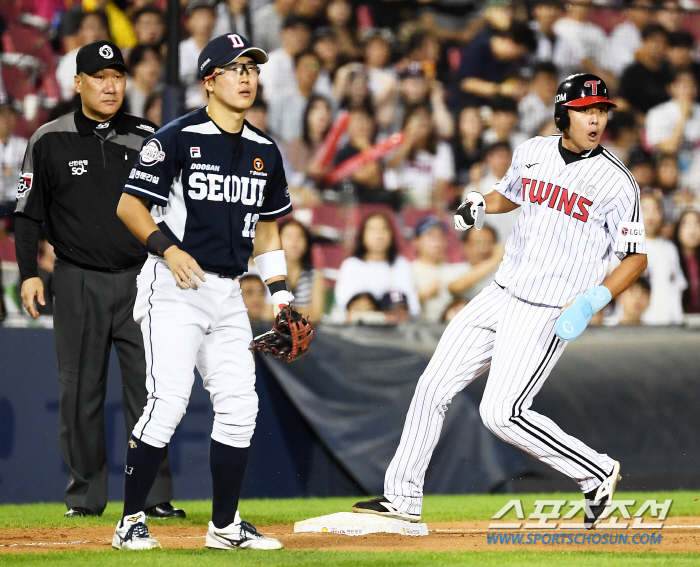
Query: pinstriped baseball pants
column 517, row 341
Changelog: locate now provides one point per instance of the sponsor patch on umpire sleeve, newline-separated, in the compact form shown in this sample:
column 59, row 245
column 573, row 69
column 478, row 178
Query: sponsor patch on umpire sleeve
column 631, row 231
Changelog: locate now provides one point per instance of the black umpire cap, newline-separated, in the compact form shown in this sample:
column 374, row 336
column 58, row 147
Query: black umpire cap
column 98, row 55
column 223, row 50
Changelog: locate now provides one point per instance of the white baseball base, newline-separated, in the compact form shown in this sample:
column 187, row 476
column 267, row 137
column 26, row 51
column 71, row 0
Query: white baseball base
column 352, row 524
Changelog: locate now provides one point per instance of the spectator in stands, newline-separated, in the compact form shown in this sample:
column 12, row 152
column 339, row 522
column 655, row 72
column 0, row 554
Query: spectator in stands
column 201, row 18
column 326, row 48
column 69, row 29
column 634, row 302
column 377, row 57
column 581, row 44
column 673, row 127
column 317, row 121
column 234, row 16
column 537, row 108
column 364, row 308
column 12, row 150
column 375, row 266
column 642, row 168
column 487, row 64
column 431, row 271
column 339, row 14
column 679, row 53
column 267, row 23
column 624, row 131
column 484, row 176
column 453, row 310
column 314, row 11
column 670, row 15
column 663, row 269
column 279, row 70
column 351, row 87
column 667, row 174
column 153, row 109
column 422, row 167
column 120, row 28
column 394, row 306
column 687, row 240
column 365, row 182
column 416, row 88
column 149, row 26
column 643, row 84
column 468, row 145
column 305, row 282
column 626, row 38
column 504, row 123
column 145, row 68
column 254, row 296
column 93, row 27
column 286, row 110
column 483, row 256
column 545, row 14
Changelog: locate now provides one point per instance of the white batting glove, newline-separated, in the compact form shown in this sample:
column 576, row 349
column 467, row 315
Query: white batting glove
column 281, row 299
column 471, row 212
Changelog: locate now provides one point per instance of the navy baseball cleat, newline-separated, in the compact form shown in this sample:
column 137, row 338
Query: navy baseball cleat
column 382, row 507
column 601, row 497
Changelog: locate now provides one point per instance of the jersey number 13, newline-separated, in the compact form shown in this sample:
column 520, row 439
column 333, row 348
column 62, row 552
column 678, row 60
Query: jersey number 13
column 251, row 222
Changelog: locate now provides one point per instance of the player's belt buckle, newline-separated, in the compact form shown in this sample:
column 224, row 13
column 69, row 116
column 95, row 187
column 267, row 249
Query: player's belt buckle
column 227, row 276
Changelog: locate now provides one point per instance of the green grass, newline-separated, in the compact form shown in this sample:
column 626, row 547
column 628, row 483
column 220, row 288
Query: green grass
column 173, row 558
column 163, row 558
column 266, row 512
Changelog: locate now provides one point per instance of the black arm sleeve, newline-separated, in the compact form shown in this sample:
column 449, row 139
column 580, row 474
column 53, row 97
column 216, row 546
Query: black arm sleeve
column 27, row 233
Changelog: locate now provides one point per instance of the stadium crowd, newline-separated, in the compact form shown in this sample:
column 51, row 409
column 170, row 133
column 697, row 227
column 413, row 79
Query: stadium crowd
column 387, row 113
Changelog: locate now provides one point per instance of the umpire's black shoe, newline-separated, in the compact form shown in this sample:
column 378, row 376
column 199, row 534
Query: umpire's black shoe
column 382, row 507
column 164, row 510
column 78, row 512
column 600, row 498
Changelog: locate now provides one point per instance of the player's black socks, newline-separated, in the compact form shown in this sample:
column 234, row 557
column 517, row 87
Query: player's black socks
column 142, row 463
column 227, row 469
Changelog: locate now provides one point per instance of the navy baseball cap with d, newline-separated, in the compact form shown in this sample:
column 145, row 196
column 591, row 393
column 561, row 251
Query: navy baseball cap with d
column 223, row 50
column 98, row 55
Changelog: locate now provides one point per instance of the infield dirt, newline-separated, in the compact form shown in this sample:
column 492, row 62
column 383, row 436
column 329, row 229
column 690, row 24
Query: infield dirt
column 680, row 534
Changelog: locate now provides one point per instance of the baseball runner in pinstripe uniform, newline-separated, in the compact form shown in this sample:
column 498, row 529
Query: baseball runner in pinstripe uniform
column 579, row 206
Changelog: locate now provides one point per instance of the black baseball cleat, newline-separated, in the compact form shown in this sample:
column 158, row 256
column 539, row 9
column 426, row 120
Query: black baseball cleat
column 382, row 507
column 80, row 512
column 164, row 510
column 601, row 497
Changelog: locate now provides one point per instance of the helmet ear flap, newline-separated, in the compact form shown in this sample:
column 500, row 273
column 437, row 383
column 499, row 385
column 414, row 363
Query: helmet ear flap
column 561, row 118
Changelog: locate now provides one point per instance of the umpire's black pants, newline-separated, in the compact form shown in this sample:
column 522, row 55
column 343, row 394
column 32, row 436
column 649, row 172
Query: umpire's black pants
column 92, row 311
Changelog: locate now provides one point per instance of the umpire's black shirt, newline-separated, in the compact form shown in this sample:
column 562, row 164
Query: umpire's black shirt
column 72, row 177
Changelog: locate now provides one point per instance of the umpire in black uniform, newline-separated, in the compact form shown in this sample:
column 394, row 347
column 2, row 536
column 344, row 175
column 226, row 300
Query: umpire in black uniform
column 73, row 174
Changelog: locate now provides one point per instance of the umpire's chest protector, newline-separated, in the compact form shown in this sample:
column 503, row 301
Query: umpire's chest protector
column 210, row 188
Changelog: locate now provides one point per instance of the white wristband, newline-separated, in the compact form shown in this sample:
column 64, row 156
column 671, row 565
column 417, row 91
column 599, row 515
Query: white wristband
column 271, row 264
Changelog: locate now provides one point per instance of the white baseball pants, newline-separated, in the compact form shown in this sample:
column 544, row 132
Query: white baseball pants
column 207, row 328
column 517, row 340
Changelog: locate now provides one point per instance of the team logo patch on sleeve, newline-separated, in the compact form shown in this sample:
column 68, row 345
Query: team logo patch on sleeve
column 25, row 183
column 631, row 231
column 151, row 153
column 258, row 164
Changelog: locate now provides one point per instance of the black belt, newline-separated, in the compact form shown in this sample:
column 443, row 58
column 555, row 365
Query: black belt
column 229, row 275
column 137, row 264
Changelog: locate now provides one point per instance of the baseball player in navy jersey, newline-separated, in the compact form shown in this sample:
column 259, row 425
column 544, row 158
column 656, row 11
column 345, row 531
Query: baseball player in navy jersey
column 579, row 206
column 216, row 186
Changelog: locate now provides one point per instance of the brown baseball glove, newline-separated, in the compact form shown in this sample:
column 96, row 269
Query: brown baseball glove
column 288, row 339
